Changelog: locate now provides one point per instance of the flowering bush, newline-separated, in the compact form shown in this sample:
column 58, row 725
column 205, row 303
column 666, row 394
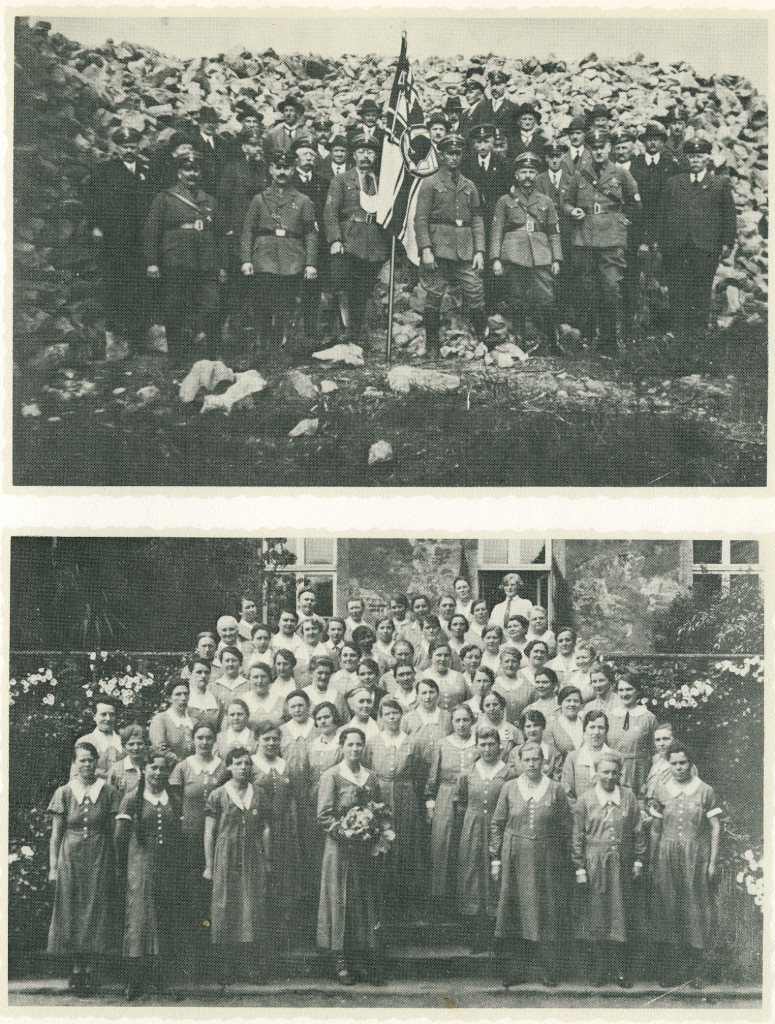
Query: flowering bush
column 751, row 877
column 370, row 825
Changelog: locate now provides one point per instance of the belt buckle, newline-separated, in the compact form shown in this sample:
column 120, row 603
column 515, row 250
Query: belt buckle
column 459, row 223
column 370, row 218
column 280, row 232
column 199, row 224
column 530, row 225
column 597, row 208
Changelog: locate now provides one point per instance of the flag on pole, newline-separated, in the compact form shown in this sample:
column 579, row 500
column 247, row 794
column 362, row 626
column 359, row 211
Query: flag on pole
column 408, row 156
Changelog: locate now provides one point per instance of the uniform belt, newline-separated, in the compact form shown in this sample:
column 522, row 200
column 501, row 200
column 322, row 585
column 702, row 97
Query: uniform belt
column 362, row 218
column 194, row 225
column 273, row 231
column 451, row 223
column 514, row 227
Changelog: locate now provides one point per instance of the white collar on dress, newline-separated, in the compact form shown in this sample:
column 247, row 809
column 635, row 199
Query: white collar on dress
column 455, row 741
column 200, row 767
column 687, row 788
column 278, row 765
column 430, row 719
column 297, row 731
column 104, row 741
column 127, row 765
column 81, row 792
column 231, row 684
column 236, row 738
column 394, row 741
column 586, row 755
column 243, row 802
column 178, row 719
column 531, row 792
column 608, row 798
column 357, row 780
column 488, row 772
column 202, row 700
column 157, row 799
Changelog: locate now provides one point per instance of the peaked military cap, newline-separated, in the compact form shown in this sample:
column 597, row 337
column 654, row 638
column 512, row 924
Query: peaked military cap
column 527, row 160
column 553, row 147
column 482, row 131
column 697, row 145
column 124, row 136
column 361, row 142
column 282, row 158
column 452, row 142
column 598, row 137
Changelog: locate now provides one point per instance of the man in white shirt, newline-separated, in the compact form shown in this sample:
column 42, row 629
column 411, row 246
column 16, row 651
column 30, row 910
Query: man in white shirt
column 356, row 610
column 463, row 597
column 513, row 603
column 306, row 607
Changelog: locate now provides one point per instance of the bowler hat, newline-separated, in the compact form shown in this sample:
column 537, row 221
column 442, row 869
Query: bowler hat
column 208, row 114
column 498, row 77
column 436, row 118
column 454, row 105
column 598, row 111
column 245, row 111
column 290, row 101
column 337, row 140
column 369, row 106
column 528, row 110
column 577, row 125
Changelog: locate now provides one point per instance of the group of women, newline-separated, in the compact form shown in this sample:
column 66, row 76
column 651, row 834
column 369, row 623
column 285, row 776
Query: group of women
column 516, row 791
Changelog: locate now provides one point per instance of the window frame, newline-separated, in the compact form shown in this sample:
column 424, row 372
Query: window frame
column 726, row 568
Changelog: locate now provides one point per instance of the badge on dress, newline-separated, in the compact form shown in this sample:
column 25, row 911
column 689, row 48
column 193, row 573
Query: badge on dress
column 596, row 208
column 459, row 223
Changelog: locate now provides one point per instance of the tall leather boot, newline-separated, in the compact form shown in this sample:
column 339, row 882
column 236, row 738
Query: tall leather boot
column 607, row 343
column 479, row 321
column 432, row 324
column 551, row 329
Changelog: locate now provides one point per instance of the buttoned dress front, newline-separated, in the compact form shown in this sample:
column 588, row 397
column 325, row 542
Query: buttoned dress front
column 449, row 222
column 84, row 918
column 450, row 760
column 348, row 911
column 396, row 764
column 607, row 840
column 154, row 893
column 173, row 733
column 478, row 790
column 272, row 778
column 682, row 900
column 578, row 771
column 294, row 749
column 530, row 834
column 631, row 732
column 239, row 907
column 552, row 765
column 526, row 238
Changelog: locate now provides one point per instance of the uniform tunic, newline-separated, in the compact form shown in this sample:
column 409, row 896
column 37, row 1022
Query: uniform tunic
column 239, row 908
column 607, row 841
column 682, row 900
column 526, row 238
column 279, row 236
column 83, row 917
column 448, row 220
column 172, row 733
column 631, row 732
column 530, row 833
column 285, row 855
column 348, row 911
column 398, row 768
column 154, row 893
column 124, row 776
column 449, row 762
column 477, row 797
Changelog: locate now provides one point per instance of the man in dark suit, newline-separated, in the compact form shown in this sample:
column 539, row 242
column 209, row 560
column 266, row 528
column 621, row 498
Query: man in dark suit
column 473, row 90
column 453, row 110
column 493, row 179
column 118, row 198
column 622, row 141
column 311, row 183
column 214, row 150
column 499, row 111
column 577, row 156
column 558, row 183
column 697, row 227
column 528, row 138
column 282, row 135
column 243, row 177
column 337, row 161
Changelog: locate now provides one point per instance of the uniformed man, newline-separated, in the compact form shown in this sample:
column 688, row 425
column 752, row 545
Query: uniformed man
column 499, row 111
column 473, row 90
column 622, row 142
column 651, row 170
column 437, row 126
column 242, row 178
column 450, row 237
column 282, row 135
column 697, row 228
column 528, row 139
column 279, row 249
column 180, row 252
column 526, row 246
column 556, row 182
column 597, row 204
column 500, row 145
column 311, row 183
column 118, row 197
column 577, row 155
column 357, row 244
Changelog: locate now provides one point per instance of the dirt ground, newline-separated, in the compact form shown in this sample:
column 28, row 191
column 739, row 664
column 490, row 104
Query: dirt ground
column 645, row 419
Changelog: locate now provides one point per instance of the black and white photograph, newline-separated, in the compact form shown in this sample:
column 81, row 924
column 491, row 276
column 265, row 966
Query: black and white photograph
column 330, row 772
column 348, row 248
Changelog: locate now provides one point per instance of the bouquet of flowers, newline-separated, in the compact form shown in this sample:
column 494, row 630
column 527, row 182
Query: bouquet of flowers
column 370, row 825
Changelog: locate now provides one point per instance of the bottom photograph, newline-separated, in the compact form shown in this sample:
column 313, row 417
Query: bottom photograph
column 386, row 772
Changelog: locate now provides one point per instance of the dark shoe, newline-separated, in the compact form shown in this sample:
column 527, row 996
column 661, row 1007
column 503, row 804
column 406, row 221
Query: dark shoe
column 89, row 984
column 344, row 977
column 548, row 980
column 75, row 983
column 622, row 981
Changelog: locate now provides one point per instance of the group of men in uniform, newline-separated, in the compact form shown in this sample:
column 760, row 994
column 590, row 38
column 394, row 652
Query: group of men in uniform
column 255, row 229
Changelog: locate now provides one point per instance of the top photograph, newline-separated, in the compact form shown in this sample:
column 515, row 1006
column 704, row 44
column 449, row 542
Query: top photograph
column 332, row 249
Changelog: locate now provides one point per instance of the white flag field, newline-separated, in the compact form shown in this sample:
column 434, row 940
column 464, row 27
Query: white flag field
column 408, row 156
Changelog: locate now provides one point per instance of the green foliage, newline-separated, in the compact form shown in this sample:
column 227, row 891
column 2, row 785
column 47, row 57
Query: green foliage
column 723, row 623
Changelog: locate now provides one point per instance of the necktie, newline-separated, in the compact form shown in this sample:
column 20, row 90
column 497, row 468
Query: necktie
column 483, row 162
column 370, row 185
column 695, row 180
column 576, row 157
column 626, row 725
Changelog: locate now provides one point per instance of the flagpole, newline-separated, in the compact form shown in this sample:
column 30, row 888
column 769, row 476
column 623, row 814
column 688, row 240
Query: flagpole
column 390, row 298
